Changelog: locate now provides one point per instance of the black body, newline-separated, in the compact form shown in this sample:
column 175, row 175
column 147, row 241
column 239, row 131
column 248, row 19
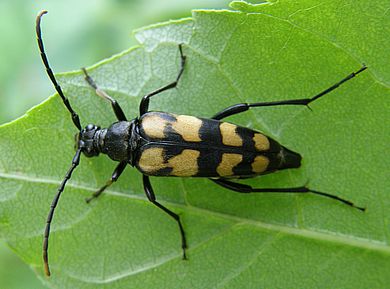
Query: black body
column 212, row 149
column 125, row 141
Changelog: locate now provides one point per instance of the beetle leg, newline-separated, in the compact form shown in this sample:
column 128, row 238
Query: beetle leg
column 115, row 105
column 150, row 194
column 242, row 188
column 144, row 105
column 115, row 175
column 241, row 107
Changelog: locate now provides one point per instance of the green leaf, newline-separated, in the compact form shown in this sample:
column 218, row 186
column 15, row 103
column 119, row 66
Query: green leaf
column 274, row 51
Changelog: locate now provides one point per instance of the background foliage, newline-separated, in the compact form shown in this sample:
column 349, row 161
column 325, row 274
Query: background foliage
column 82, row 33
column 283, row 50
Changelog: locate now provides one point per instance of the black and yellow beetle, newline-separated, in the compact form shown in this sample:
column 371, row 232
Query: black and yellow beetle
column 165, row 144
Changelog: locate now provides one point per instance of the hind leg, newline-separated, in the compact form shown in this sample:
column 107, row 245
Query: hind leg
column 241, row 107
column 242, row 188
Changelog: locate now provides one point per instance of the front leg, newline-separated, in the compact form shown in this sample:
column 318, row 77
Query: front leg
column 114, row 104
column 144, row 105
column 115, row 175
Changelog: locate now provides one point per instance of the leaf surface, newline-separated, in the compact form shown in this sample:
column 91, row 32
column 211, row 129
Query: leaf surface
column 273, row 51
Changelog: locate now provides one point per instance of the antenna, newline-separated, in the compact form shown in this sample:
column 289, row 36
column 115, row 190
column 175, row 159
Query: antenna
column 75, row 116
column 76, row 158
column 75, row 163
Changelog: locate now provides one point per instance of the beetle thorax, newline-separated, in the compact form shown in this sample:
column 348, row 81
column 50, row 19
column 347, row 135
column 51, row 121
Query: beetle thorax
column 113, row 141
column 116, row 141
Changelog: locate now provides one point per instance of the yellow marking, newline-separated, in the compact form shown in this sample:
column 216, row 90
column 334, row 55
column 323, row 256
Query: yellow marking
column 229, row 135
column 188, row 127
column 261, row 142
column 229, row 161
column 154, row 126
column 151, row 160
column 183, row 165
column 260, row 164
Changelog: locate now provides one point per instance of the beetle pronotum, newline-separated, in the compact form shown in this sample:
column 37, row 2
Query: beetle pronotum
column 165, row 144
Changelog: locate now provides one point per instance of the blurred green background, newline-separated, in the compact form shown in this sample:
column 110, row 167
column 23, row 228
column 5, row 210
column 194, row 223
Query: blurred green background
column 76, row 34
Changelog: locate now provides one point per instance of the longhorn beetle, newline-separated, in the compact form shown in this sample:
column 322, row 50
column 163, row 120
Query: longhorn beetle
column 165, row 144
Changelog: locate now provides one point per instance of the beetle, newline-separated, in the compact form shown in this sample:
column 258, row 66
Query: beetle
column 165, row 144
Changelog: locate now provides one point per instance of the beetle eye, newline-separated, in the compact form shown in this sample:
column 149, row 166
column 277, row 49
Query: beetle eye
column 89, row 127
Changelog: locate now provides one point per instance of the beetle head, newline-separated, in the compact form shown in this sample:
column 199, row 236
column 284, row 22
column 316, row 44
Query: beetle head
column 85, row 140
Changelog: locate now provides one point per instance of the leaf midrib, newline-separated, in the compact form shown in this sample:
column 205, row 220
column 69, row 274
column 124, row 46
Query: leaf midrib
column 308, row 234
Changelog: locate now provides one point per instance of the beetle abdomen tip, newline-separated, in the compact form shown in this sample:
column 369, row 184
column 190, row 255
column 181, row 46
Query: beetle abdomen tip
column 290, row 159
